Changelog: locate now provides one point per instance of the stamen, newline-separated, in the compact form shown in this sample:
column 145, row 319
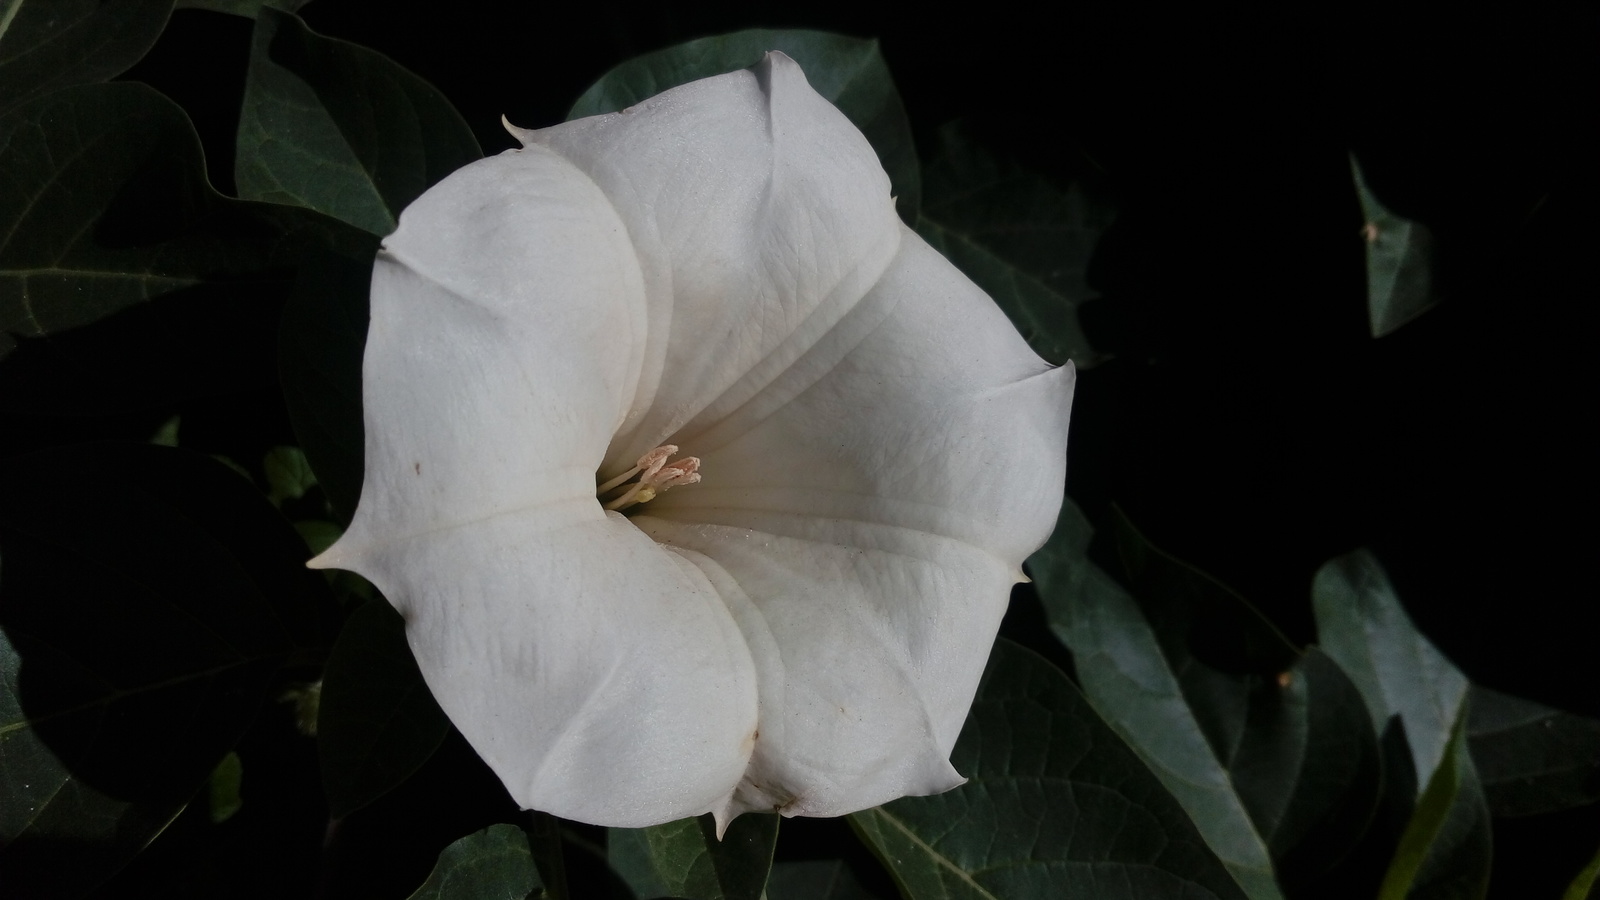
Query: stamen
column 650, row 462
column 655, row 476
column 629, row 497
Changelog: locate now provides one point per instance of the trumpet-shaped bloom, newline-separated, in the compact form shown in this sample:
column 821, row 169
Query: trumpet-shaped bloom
column 792, row 615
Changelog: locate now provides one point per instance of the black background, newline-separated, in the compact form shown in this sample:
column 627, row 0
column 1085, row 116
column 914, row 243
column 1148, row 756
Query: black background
column 1248, row 423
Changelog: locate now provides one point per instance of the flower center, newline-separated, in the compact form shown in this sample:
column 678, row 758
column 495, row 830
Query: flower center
column 655, row 475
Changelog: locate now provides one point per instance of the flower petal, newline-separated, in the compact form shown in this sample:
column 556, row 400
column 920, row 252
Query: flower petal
column 596, row 672
column 760, row 216
column 865, row 518
column 506, row 326
column 599, row 675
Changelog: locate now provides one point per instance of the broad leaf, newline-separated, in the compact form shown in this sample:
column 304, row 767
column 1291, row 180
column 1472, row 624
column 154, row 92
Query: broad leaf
column 849, row 72
column 1270, row 750
column 1020, row 238
column 149, row 597
column 51, row 44
column 818, row 880
column 1530, row 758
column 1399, row 262
column 685, row 859
column 492, row 864
column 341, row 129
column 1445, row 851
column 1055, row 806
column 1291, row 730
column 46, row 810
column 1361, row 624
column 111, row 210
column 377, row 723
column 106, row 205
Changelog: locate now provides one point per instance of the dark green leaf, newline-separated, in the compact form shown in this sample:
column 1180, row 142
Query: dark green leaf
column 492, row 864
column 849, row 72
column 819, row 880
column 1124, row 674
column 1530, row 758
column 113, row 210
column 685, row 859
column 1055, row 806
column 1020, row 238
column 1446, row 849
column 1270, row 750
column 1399, row 263
column 1291, row 730
column 340, row 129
column 42, row 796
column 288, row 474
column 149, row 597
column 224, row 785
column 1308, row 768
column 318, row 535
column 106, row 206
column 320, row 345
column 1361, row 624
column 546, row 844
column 247, row 8
column 51, row 44
column 1196, row 617
column 377, row 723
column 1587, row 885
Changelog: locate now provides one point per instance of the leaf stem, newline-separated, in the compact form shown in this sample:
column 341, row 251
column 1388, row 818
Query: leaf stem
column 544, row 839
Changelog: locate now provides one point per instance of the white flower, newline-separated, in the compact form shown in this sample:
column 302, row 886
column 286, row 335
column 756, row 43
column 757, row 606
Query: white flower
column 719, row 268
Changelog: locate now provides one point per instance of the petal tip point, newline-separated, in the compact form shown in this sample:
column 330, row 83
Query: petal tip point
column 524, row 136
column 337, row 556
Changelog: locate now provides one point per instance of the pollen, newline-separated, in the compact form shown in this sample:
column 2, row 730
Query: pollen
column 654, row 475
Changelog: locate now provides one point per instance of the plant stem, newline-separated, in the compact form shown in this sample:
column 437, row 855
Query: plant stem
column 544, row 839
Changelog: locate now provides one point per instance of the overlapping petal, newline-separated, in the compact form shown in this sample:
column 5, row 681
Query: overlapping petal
column 719, row 268
column 866, row 521
column 760, row 216
column 600, row 677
